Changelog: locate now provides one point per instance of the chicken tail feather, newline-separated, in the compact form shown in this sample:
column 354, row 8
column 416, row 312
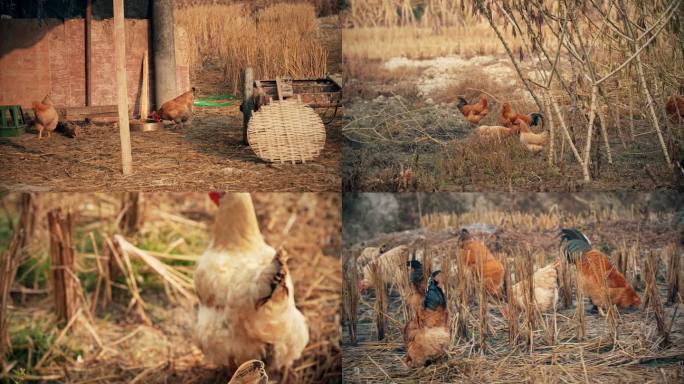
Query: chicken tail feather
column 575, row 242
column 536, row 117
column 434, row 296
column 278, row 288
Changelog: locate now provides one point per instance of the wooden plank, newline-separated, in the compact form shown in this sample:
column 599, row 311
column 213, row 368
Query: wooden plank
column 145, row 93
column 81, row 113
column 247, row 102
column 279, row 88
column 88, row 52
column 121, row 87
column 89, row 109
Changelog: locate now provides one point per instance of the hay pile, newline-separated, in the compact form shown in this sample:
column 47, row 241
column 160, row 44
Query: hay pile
column 278, row 40
column 115, row 344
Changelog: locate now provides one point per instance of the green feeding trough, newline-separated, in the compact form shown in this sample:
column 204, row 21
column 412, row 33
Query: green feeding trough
column 212, row 101
column 12, row 121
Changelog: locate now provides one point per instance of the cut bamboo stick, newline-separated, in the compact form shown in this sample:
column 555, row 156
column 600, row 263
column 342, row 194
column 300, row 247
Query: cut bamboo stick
column 62, row 255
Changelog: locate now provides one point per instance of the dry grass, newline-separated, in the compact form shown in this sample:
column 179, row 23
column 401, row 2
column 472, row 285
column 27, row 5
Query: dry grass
column 323, row 7
column 389, row 13
column 566, row 345
column 371, row 43
column 279, row 40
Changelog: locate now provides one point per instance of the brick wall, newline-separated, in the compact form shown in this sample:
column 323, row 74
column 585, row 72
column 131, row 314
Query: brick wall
column 49, row 58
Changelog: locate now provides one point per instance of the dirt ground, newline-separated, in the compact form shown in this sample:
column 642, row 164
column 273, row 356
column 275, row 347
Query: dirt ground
column 206, row 155
column 122, row 349
column 635, row 358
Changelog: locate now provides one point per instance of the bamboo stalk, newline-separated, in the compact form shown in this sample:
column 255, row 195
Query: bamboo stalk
column 482, row 294
column 381, row 303
column 350, row 297
column 580, row 329
column 513, row 321
column 652, row 299
column 674, row 272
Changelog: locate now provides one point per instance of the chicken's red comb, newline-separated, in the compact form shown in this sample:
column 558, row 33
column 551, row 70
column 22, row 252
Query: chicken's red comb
column 216, row 197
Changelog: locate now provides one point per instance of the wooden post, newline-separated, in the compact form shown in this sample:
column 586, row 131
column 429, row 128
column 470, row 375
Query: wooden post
column 247, row 104
column 62, row 252
column 121, row 87
column 88, row 53
column 145, row 92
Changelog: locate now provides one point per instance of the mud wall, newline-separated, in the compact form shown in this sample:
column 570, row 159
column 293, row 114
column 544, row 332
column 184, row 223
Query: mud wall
column 49, row 58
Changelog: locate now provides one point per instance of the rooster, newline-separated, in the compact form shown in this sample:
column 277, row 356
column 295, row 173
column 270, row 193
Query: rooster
column 246, row 297
column 475, row 251
column 178, row 110
column 46, row 116
column 534, row 142
column 473, row 112
column 508, row 117
column 675, row 106
column 598, row 278
column 250, row 372
column 427, row 334
column 545, row 282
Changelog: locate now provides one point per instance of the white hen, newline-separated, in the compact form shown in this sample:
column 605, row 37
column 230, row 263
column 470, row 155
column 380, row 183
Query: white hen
column 247, row 308
column 545, row 289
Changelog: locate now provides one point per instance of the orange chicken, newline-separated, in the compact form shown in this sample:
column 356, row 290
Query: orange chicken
column 246, row 297
column 178, row 110
column 46, row 116
column 427, row 334
column 473, row 112
column 508, row 116
column 598, row 278
column 474, row 252
column 675, row 106
column 250, row 372
column 534, row 142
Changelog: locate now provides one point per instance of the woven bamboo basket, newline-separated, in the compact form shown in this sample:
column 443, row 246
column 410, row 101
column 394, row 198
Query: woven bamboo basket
column 286, row 131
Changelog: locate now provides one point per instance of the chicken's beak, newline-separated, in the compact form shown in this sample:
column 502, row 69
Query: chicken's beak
column 216, row 197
